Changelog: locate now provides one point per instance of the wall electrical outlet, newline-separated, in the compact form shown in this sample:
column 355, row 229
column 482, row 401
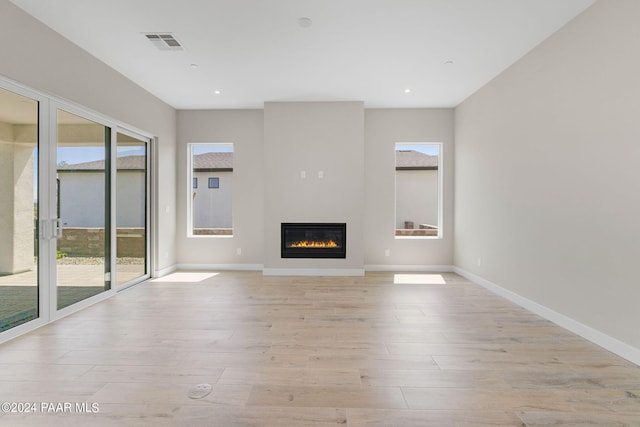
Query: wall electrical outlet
column 387, row 252
column 239, row 251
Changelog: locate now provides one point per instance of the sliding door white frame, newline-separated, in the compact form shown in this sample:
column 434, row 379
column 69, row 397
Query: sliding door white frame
column 47, row 215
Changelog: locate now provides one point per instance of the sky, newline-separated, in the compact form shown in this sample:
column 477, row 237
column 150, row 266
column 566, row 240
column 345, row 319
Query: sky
column 211, row 148
column 431, row 149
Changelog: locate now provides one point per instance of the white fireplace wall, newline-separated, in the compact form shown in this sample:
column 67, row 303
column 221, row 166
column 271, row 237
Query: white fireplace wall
column 314, row 172
column 265, row 172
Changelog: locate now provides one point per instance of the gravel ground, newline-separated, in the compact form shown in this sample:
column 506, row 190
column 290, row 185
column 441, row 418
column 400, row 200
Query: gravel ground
column 97, row 261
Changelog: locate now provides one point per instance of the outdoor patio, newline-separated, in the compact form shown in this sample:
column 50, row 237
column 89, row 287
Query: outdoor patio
column 78, row 279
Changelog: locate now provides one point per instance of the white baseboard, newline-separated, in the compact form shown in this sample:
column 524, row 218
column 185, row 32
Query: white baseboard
column 410, row 268
column 313, row 272
column 225, row 267
column 605, row 341
column 164, row 271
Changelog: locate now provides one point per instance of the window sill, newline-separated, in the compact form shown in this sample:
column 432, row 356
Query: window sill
column 211, row 233
column 418, row 237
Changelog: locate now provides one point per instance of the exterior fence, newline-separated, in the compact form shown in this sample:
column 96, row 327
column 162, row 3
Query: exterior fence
column 89, row 242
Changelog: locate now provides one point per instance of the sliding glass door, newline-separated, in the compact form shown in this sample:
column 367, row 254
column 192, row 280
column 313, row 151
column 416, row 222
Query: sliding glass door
column 74, row 208
column 19, row 266
column 83, row 192
column 132, row 214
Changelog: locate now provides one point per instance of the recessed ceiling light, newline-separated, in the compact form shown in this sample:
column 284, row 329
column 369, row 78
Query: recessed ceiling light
column 407, row 90
column 305, row 22
column 217, row 92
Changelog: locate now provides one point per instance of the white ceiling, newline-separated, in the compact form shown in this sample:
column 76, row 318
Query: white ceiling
column 254, row 51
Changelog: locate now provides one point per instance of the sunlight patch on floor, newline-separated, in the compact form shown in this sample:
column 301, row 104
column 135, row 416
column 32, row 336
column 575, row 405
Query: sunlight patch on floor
column 418, row 279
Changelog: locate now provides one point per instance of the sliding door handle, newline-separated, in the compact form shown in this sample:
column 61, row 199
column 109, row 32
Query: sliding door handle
column 57, row 227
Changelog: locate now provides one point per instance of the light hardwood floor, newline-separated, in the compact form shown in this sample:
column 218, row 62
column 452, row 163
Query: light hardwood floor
column 321, row 351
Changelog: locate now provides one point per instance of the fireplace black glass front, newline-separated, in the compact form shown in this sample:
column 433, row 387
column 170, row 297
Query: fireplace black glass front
column 313, row 240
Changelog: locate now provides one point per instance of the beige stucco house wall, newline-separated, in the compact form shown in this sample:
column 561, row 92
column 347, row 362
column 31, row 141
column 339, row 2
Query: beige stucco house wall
column 16, row 201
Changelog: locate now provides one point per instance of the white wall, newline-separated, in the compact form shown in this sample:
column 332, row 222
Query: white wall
column 315, row 137
column 243, row 128
column 41, row 59
column 82, row 199
column 317, row 144
column 548, row 174
column 212, row 207
column 130, row 200
column 383, row 129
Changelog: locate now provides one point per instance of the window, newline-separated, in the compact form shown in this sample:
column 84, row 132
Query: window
column 132, row 207
column 83, row 205
column 418, row 190
column 210, row 212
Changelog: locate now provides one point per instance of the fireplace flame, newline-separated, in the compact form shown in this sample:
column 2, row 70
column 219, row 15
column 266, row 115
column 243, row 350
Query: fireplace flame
column 314, row 244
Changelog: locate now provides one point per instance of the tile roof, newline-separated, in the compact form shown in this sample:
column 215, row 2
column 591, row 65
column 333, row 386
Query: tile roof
column 411, row 159
column 213, row 161
column 125, row 162
column 131, row 162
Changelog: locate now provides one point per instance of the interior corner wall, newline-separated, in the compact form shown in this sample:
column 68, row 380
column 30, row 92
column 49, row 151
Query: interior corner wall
column 383, row 129
column 39, row 58
column 325, row 140
column 548, row 174
column 243, row 128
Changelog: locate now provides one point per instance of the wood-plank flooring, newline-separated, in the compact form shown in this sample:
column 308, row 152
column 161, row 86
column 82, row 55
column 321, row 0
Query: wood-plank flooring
column 315, row 351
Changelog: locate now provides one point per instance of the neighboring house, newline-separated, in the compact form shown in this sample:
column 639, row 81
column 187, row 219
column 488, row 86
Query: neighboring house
column 416, row 189
column 212, row 190
column 82, row 192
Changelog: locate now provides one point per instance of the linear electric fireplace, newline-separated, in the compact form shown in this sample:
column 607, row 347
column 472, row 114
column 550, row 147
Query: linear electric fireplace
column 313, row 240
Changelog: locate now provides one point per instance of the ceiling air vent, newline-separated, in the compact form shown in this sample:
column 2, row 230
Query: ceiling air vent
column 164, row 41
